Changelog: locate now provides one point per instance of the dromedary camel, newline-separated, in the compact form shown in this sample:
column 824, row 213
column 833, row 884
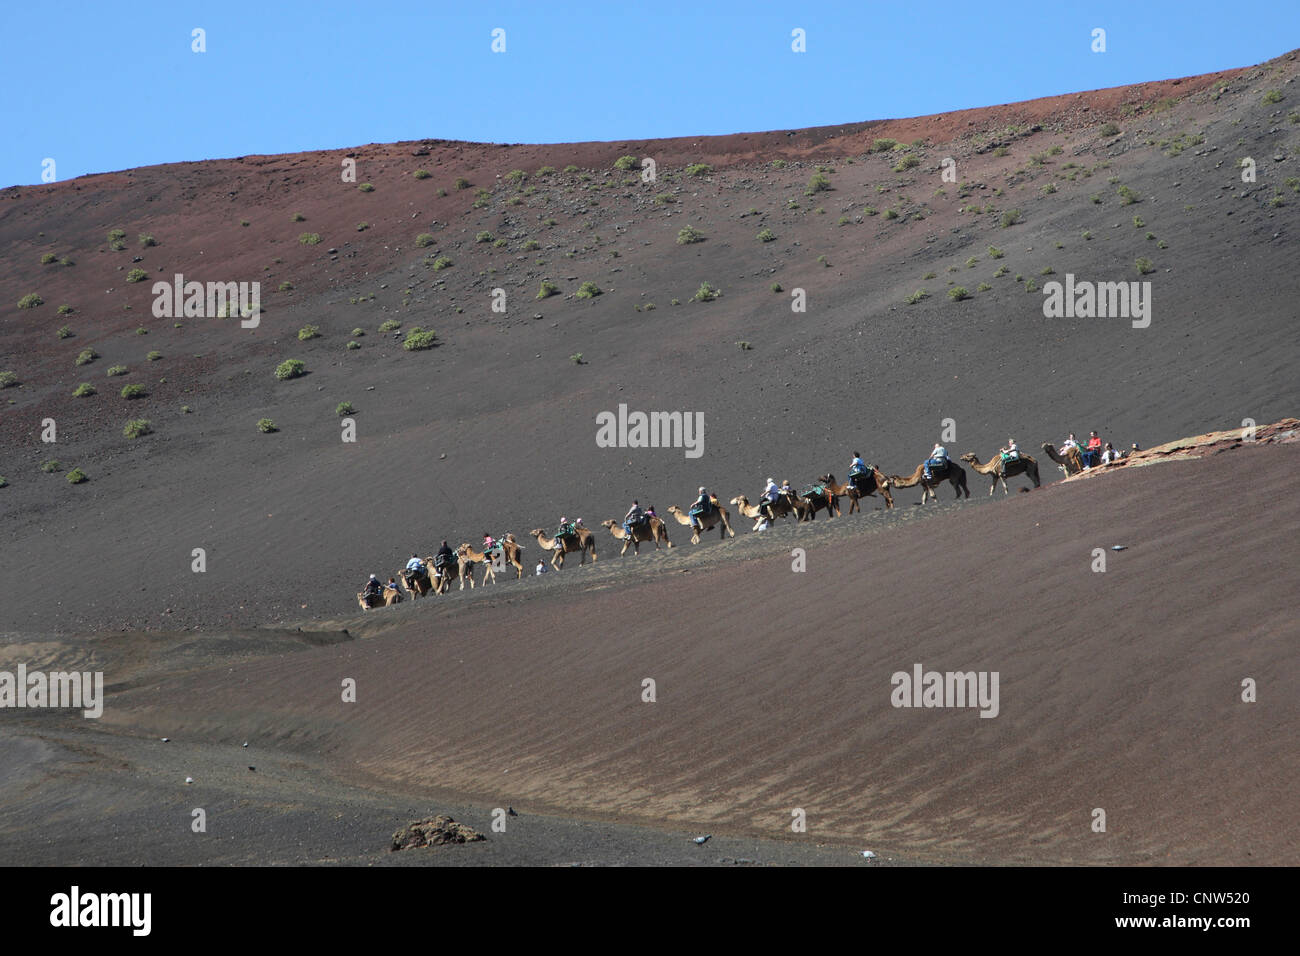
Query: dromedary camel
column 717, row 516
column 873, row 480
column 653, row 530
column 450, row 572
column 828, row 500
column 390, row 597
column 468, row 557
column 1071, row 462
column 511, row 551
column 1001, row 470
column 582, row 542
column 784, row 505
column 416, row 585
column 954, row 473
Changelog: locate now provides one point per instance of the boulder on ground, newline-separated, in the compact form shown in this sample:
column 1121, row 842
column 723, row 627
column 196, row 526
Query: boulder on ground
column 441, row 829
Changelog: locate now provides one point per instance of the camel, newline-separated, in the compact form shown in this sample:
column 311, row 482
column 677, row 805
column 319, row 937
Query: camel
column 510, row 554
column 468, row 558
column 828, row 500
column 1071, row 462
column 582, row 542
column 450, row 572
column 653, row 530
column 717, row 516
column 784, row 505
column 423, row 584
column 955, row 474
column 1001, row 470
column 878, row 483
column 390, row 597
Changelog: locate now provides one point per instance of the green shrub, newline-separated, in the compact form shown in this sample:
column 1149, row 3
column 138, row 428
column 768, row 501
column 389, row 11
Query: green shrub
column 957, row 293
column 424, row 240
column 1109, row 129
column 906, row 163
column 440, row 263
column 308, row 332
column 778, row 164
column 8, row 379
column 1001, row 151
column 883, row 145
column 362, row 226
column 421, row 174
column 548, row 288
column 289, row 368
column 483, row 236
column 419, row 340
column 30, row 301
column 588, row 290
column 147, row 240
column 67, row 261
column 705, row 293
column 344, row 408
column 352, row 344
column 84, row 390
column 1128, row 195
column 818, row 183
column 87, row 356
column 545, row 171
column 499, row 244
column 310, row 238
column 153, row 356
column 115, row 235
column 49, row 258
column 891, row 214
column 663, row 199
column 970, row 263
column 531, row 245
column 1273, row 96
column 389, row 325
column 297, row 217
column 688, row 235
column 266, row 426
column 917, row 296
column 367, row 187
column 576, row 358
column 765, row 236
column 1002, row 270
column 76, row 476
column 929, row 275
column 843, row 221
column 357, row 333
column 625, row 163
column 3, row 481
column 51, row 466
column 136, row 427
column 1010, row 218
column 133, row 390
column 286, row 286
column 65, row 310
column 1144, row 266
column 1031, row 286
column 117, row 370
column 698, row 169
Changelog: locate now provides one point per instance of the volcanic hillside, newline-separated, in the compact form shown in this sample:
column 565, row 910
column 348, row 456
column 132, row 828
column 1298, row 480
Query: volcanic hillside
column 494, row 428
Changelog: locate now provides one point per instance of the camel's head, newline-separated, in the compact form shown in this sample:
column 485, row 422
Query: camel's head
column 740, row 500
column 827, row 479
column 463, row 549
column 537, row 532
column 969, row 456
column 1047, row 445
column 673, row 509
column 608, row 523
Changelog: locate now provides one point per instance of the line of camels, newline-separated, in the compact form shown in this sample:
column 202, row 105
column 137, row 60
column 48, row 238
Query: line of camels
column 825, row 496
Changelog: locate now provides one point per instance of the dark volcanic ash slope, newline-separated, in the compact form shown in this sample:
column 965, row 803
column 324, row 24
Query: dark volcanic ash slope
column 495, row 429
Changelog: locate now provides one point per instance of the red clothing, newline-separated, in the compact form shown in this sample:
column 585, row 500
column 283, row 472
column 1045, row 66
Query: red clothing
column 1094, row 443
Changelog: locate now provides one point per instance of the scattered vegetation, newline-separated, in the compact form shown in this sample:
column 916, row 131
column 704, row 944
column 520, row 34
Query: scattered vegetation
column 136, row 428
column 421, row 174
column 440, row 263
column 49, row 258
column 344, row 408
column 775, row 287
column 84, row 390
column 883, row 145
column 688, row 235
column 698, row 169
column 1109, row 129
column 957, row 293
column 289, row 368
column 266, row 426
column 625, row 163
column 576, row 358
column 705, row 293
column 134, row 390
column 352, row 345
column 483, row 236
column 308, row 332
column 1144, row 266
column 310, row 238
column 77, row 476
column 1010, row 218
column 30, row 301
column 547, row 289
column 147, row 240
column 765, row 236
column 588, row 290
column 87, row 356
column 117, row 370
column 367, row 187
column 51, row 466
column 389, row 325
column 1128, row 195
column 1272, row 96
column 8, row 379
column 818, row 183
column 424, row 240
column 418, row 339
column 917, row 296
column 153, row 356
column 905, row 163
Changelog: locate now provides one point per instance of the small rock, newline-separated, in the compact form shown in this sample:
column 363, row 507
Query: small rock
column 703, row 839
column 166, row 740
column 868, row 854
column 1119, row 547
column 189, row 779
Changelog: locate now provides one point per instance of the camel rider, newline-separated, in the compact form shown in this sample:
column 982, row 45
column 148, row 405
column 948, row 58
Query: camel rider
column 442, row 558
column 541, row 567
column 1012, row 451
column 374, row 589
column 565, row 529
column 769, row 497
column 857, row 466
column 392, row 583
column 1092, row 453
column 1069, row 443
column 1109, row 455
column 488, row 542
column 415, row 566
column 938, row 459
column 633, row 516
column 702, row 505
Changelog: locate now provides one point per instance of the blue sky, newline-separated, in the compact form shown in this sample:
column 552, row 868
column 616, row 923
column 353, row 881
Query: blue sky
column 103, row 86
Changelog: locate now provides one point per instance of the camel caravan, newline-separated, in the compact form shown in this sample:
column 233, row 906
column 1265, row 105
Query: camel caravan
column 437, row 573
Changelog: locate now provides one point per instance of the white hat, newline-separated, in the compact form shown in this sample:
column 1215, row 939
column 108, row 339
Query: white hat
column 701, row 491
